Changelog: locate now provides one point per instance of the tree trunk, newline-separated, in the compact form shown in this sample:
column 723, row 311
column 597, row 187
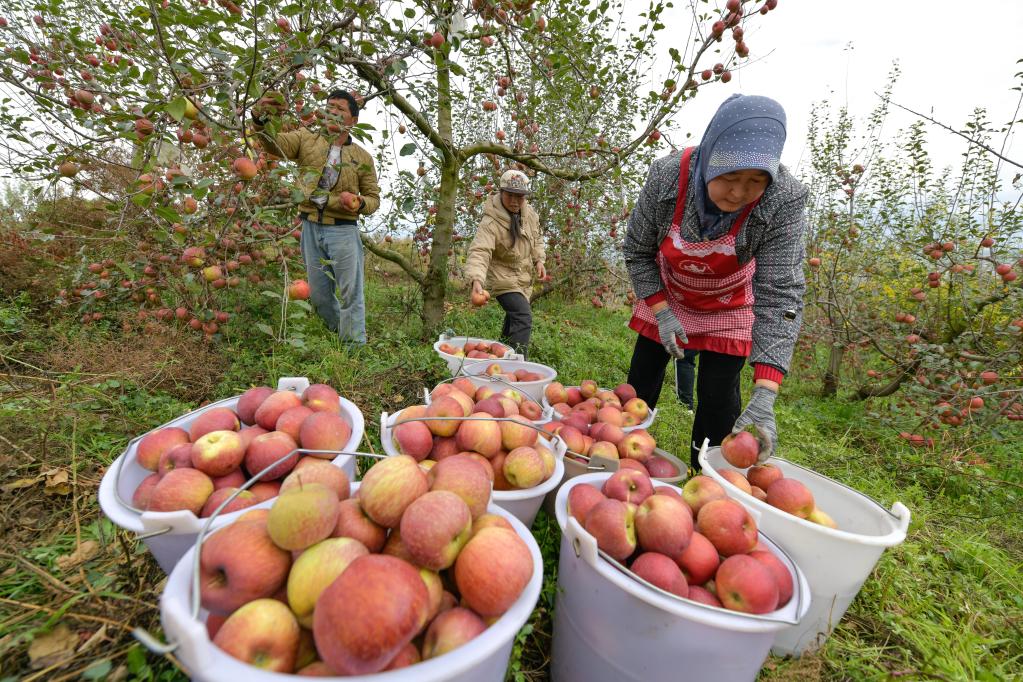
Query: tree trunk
column 435, row 283
column 834, row 371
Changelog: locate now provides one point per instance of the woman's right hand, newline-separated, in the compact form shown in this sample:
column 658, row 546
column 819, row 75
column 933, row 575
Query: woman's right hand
column 668, row 328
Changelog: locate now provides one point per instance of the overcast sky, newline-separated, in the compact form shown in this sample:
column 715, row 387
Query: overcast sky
column 954, row 56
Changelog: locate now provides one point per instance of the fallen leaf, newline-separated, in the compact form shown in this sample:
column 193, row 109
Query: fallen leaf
column 52, row 647
column 93, row 640
column 85, row 551
column 21, row 483
column 57, row 482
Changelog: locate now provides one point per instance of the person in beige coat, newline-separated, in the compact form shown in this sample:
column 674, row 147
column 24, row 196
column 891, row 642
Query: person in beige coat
column 505, row 254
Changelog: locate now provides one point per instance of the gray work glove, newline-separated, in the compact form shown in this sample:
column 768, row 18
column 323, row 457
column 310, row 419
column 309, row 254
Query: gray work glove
column 668, row 327
column 760, row 413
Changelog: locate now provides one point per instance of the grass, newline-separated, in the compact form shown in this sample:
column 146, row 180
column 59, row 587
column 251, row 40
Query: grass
column 945, row 605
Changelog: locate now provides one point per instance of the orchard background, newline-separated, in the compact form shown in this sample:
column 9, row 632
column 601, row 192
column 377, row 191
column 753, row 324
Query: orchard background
column 141, row 276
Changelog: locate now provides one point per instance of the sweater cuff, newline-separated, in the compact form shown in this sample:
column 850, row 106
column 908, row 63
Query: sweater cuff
column 769, row 372
column 656, row 298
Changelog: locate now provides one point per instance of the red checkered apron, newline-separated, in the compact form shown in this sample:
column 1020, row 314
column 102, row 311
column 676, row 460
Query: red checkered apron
column 706, row 287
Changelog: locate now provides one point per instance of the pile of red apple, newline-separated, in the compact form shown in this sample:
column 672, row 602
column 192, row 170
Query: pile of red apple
column 619, row 407
column 697, row 545
column 483, row 350
column 197, row 469
column 511, row 376
column 509, row 450
column 593, row 426
column 766, row 481
column 325, row 584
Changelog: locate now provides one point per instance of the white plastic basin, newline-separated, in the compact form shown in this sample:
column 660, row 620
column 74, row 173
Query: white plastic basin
column 457, row 362
column 836, row 562
column 484, row 659
column 523, row 504
column 168, row 535
column 533, row 388
column 609, row 627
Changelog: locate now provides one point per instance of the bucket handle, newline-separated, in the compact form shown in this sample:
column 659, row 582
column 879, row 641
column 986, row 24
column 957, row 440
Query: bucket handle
column 585, row 547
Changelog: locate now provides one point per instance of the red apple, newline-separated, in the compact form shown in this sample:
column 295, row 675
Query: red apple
column 262, row 633
column 353, row 523
column 302, row 516
column 625, row 392
column 612, row 524
column 781, row 574
column 481, row 435
column 413, row 438
column 176, row 457
column 699, row 490
column 267, row 449
column 659, row 467
column 747, row 585
column 737, row 479
column 740, row 449
column 322, row 398
column 218, row 453
column 492, row 570
column 290, row 421
column 791, row 496
column 323, row 430
column 663, row 525
column 699, row 560
column 637, row 407
column 144, row 491
column 244, row 500
column 155, row 443
column 555, row 393
column 628, row 486
column 763, row 475
column 660, row 571
column 581, row 499
column 450, row 630
column 217, row 419
column 728, row 526
column 389, row 487
column 703, row 596
column 444, row 406
column 312, row 470
column 250, row 401
column 271, row 409
column 435, row 527
column 240, row 563
column 466, row 477
column 181, row 490
column 638, row 445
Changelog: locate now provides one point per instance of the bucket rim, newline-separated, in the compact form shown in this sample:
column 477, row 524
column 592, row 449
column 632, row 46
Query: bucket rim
column 459, row 660
column 898, row 517
column 707, row 615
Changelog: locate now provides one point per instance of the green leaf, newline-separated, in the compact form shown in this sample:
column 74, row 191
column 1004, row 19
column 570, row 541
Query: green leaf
column 271, row 294
column 265, row 328
column 408, row 149
column 177, row 108
column 168, row 214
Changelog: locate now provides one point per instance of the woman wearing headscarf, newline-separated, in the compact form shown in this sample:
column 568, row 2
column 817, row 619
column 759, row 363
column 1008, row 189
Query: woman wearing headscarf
column 504, row 255
column 715, row 252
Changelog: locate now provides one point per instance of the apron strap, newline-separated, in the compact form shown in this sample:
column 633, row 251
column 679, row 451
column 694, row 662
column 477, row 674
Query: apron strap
column 683, row 186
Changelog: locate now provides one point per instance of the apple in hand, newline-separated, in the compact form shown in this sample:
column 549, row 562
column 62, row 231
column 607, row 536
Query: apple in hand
column 740, row 449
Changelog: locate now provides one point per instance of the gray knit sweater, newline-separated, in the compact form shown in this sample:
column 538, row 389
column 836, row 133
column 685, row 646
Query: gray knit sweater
column 773, row 234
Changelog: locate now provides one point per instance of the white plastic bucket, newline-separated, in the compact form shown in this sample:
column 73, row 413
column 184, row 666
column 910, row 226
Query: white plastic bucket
column 523, row 504
column 609, row 627
column 484, row 659
column 533, row 388
column 168, row 535
column 645, row 424
column 456, row 362
column 836, row 562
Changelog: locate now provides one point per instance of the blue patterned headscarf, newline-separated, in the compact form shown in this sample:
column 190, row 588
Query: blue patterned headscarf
column 747, row 132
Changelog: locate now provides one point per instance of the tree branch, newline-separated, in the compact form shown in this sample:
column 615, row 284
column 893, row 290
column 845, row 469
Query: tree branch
column 394, row 257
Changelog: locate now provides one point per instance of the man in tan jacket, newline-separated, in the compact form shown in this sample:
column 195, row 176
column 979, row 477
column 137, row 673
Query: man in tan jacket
column 505, row 253
column 340, row 184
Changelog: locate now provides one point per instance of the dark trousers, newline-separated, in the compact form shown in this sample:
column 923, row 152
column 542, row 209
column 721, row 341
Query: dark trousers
column 518, row 321
column 718, row 402
column 685, row 377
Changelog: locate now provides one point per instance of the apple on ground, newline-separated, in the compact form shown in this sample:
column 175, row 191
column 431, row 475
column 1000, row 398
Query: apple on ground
column 699, row 490
column 628, row 485
column 370, row 613
column 612, row 524
column 181, row 490
column 663, row 525
column 353, row 523
column 389, row 487
column 747, row 585
column 492, row 570
column 435, row 527
column 660, row 571
column 740, row 449
column 240, row 563
column 728, row 526
column 216, row 419
column 262, row 633
column 450, row 630
column 315, row 569
column 791, row 496
column 699, row 560
column 218, row 453
column 156, row 443
column 303, row 515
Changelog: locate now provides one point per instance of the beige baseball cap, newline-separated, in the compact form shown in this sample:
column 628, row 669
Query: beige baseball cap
column 515, row 182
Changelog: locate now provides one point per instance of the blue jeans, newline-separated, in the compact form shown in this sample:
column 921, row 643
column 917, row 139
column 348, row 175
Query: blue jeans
column 333, row 257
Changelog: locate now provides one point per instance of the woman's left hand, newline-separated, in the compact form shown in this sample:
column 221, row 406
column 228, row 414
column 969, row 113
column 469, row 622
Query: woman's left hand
column 541, row 272
column 760, row 413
